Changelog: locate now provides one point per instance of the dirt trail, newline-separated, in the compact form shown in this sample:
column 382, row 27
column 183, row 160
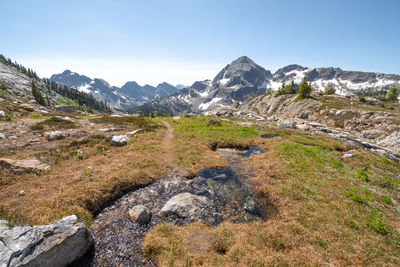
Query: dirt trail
column 169, row 158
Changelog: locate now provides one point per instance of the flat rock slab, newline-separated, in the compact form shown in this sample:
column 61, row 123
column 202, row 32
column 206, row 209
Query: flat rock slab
column 19, row 166
column 57, row 244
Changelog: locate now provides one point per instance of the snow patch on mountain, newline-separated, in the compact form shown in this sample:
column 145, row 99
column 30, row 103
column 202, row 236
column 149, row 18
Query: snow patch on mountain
column 205, row 106
column 84, row 88
column 224, row 81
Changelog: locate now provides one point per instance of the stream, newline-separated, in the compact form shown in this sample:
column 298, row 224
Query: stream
column 119, row 239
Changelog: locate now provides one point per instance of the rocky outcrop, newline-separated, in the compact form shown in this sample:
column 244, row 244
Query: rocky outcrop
column 140, row 214
column 57, row 244
column 119, row 140
column 389, row 153
column 393, row 140
column 372, row 134
column 184, row 205
column 283, row 106
column 57, row 135
column 23, row 165
column 19, row 84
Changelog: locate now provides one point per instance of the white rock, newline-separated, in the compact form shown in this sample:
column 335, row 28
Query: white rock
column 59, row 118
column 184, row 205
column 119, row 140
column 2, row 113
column 133, row 132
column 345, row 156
column 57, row 135
column 2, row 136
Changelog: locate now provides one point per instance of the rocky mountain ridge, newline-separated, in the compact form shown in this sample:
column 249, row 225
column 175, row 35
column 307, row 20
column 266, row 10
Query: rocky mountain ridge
column 128, row 96
column 243, row 78
column 19, row 84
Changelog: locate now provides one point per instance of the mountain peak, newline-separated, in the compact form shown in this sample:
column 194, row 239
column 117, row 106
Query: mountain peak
column 243, row 60
column 241, row 71
column 68, row 72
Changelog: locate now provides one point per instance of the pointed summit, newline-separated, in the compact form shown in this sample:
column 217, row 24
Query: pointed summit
column 243, row 60
column 242, row 71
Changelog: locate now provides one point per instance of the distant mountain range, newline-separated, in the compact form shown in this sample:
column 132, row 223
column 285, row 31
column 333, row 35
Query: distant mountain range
column 130, row 95
column 235, row 83
column 243, row 78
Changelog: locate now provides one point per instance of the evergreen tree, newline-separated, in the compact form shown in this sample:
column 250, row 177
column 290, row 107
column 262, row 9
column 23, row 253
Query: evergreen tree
column 48, row 100
column 286, row 89
column 37, row 94
column 290, row 88
column 305, row 89
column 393, row 94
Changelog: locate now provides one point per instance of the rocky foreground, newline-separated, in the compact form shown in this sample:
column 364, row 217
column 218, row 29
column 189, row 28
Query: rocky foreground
column 56, row 244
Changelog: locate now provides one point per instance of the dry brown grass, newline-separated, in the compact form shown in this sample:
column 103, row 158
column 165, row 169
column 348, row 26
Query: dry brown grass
column 314, row 219
column 82, row 183
column 82, row 186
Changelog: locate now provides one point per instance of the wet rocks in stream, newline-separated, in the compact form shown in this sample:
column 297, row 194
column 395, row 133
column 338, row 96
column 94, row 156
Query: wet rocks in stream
column 213, row 196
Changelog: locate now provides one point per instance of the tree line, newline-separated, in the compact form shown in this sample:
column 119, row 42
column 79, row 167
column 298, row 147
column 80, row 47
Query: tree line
column 27, row 71
column 81, row 98
column 84, row 100
column 305, row 89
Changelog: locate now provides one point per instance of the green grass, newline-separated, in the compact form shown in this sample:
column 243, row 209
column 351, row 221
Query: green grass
column 65, row 101
column 222, row 134
column 36, row 117
column 376, row 223
column 353, row 223
column 328, row 206
column 363, row 176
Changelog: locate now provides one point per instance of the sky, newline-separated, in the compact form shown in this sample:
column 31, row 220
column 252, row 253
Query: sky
column 182, row 41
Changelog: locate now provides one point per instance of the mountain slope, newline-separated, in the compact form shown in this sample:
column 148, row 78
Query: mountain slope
column 243, row 78
column 16, row 80
column 236, row 82
column 345, row 82
column 128, row 96
column 99, row 88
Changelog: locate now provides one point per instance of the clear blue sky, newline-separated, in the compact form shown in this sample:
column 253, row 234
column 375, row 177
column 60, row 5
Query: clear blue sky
column 151, row 41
